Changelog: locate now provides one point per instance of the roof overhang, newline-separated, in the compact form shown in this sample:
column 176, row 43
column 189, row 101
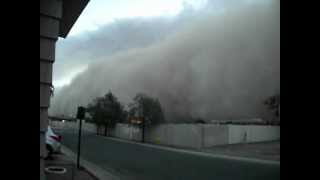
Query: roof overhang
column 71, row 10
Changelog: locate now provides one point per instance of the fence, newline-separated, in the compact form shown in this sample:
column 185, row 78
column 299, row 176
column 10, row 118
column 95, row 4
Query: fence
column 187, row 135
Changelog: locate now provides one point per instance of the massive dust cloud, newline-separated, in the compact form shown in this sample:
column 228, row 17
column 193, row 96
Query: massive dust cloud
column 216, row 67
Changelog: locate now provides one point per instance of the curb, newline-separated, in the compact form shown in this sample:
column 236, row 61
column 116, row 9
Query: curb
column 197, row 152
column 93, row 169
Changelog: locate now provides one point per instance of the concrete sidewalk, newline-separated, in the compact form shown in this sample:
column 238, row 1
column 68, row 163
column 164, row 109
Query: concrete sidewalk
column 72, row 173
column 95, row 170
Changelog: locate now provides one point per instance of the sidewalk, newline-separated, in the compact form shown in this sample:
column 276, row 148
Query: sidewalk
column 72, row 173
column 98, row 172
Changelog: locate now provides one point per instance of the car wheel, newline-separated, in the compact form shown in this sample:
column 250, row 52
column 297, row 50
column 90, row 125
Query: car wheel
column 50, row 150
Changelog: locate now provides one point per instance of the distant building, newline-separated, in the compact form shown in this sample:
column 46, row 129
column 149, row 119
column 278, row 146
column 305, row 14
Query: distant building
column 255, row 121
column 135, row 120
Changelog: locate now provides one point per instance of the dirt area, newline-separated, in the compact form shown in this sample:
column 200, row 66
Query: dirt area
column 262, row 150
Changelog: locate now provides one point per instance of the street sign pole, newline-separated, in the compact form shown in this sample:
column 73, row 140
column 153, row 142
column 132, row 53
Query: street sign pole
column 143, row 129
column 80, row 117
column 79, row 143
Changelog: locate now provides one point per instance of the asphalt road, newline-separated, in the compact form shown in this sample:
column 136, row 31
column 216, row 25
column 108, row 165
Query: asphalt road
column 260, row 150
column 134, row 161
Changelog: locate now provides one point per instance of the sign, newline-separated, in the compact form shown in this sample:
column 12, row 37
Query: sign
column 136, row 120
column 81, row 112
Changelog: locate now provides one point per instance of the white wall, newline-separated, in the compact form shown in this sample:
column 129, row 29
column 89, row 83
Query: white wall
column 157, row 135
column 208, row 135
column 237, row 134
column 73, row 125
column 263, row 133
column 126, row 131
column 179, row 135
column 215, row 135
column 187, row 135
column 252, row 133
column 184, row 135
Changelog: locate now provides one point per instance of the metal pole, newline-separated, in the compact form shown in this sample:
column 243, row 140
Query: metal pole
column 143, row 123
column 143, row 127
column 79, row 143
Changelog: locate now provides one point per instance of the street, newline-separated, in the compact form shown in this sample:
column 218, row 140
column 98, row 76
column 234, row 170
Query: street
column 269, row 150
column 134, row 161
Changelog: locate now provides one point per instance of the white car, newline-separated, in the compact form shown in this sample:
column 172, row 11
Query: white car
column 53, row 142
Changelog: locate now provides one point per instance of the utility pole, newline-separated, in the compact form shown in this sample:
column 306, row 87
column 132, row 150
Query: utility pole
column 80, row 117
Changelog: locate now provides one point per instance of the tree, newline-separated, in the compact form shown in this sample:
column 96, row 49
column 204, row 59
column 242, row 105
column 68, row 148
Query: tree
column 273, row 104
column 148, row 109
column 106, row 111
column 200, row 121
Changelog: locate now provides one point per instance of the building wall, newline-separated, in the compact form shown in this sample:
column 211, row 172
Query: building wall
column 50, row 15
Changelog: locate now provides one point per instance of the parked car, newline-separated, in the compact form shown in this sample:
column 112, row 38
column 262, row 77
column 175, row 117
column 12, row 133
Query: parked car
column 53, row 142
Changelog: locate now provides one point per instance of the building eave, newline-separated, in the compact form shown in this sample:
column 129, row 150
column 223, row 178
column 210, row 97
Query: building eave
column 70, row 13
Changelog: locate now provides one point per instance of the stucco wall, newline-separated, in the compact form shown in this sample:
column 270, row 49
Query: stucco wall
column 180, row 135
column 188, row 135
column 215, row 135
column 73, row 125
column 252, row 133
column 184, row 135
column 126, row 131
column 158, row 135
column 263, row 133
column 237, row 134
column 49, row 32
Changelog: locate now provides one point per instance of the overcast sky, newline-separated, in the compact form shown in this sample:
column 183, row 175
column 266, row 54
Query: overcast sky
column 180, row 51
column 118, row 25
column 100, row 12
column 111, row 18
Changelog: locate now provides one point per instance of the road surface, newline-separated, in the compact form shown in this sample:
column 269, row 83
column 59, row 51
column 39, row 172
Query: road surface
column 260, row 150
column 134, row 161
